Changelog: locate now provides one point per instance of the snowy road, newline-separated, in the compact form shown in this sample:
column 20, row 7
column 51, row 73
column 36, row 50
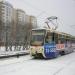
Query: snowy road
column 64, row 65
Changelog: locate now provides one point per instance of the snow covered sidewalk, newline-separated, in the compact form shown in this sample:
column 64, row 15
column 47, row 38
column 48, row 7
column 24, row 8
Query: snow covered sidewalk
column 67, row 70
column 64, row 65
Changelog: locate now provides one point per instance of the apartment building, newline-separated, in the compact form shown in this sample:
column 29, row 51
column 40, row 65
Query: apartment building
column 6, row 17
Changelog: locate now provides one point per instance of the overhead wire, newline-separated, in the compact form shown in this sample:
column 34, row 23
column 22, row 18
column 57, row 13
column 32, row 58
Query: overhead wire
column 38, row 9
column 35, row 8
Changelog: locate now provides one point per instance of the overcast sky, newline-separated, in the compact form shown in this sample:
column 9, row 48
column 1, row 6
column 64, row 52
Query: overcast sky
column 63, row 9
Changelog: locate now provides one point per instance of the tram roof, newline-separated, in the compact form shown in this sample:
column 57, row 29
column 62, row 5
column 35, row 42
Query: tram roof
column 58, row 32
column 39, row 29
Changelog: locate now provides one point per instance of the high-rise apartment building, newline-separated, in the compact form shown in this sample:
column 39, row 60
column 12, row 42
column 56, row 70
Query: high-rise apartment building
column 20, row 27
column 6, row 17
column 15, row 25
column 33, row 21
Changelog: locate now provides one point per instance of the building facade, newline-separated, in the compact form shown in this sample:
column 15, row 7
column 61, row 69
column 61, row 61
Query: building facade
column 15, row 25
column 6, row 17
column 20, row 27
column 33, row 21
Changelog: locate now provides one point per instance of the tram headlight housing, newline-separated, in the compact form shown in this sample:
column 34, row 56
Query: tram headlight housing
column 41, row 49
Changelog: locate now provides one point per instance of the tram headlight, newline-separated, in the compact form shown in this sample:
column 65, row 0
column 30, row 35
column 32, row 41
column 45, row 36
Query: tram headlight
column 40, row 49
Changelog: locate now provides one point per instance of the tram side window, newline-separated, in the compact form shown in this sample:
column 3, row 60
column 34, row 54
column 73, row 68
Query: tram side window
column 56, row 38
column 61, row 41
column 59, row 38
column 68, row 41
column 48, row 38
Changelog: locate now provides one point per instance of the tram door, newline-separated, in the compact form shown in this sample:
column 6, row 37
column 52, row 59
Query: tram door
column 50, row 46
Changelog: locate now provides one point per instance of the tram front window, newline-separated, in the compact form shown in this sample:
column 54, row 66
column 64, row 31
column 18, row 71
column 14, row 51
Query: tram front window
column 37, row 40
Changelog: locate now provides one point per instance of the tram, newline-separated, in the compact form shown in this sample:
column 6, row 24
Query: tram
column 49, row 44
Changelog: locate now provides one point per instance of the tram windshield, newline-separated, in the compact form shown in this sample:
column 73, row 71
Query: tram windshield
column 37, row 37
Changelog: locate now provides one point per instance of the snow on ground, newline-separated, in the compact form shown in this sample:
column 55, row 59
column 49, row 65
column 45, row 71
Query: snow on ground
column 25, row 65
